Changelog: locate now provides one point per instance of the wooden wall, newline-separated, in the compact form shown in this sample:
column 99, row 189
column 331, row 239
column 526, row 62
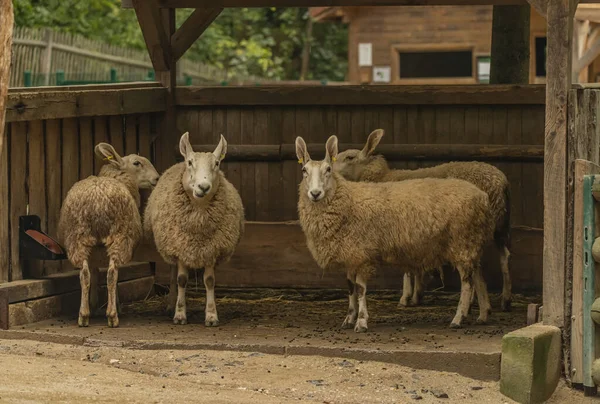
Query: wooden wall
column 414, row 116
column 51, row 137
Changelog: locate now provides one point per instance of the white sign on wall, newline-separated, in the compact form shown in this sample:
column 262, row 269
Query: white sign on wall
column 365, row 54
column 382, row 74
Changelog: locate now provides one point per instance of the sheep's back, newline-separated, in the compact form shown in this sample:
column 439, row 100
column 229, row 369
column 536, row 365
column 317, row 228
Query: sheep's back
column 196, row 236
column 97, row 210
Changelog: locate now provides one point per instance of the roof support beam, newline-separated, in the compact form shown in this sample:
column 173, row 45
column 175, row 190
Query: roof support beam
column 541, row 6
column 157, row 41
column 589, row 56
column 191, row 30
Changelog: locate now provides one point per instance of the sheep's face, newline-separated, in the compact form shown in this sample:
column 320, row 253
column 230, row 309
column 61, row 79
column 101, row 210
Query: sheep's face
column 201, row 177
column 352, row 163
column 318, row 181
column 141, row 170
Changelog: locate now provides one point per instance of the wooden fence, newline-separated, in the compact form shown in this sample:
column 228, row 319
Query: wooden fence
column 43, row 52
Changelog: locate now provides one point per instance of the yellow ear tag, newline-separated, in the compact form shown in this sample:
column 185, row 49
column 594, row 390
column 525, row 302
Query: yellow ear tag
column 222, row 157
column 334, row 159
column 300, row 161
column 108, row 158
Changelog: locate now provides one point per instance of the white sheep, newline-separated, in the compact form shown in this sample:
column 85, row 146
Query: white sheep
column 417, row 225
column 196, row 219
column 362, row 165
column 103, row 210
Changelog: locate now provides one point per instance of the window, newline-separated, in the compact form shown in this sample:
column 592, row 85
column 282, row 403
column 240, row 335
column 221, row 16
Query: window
column 483, row 69
column 540, row 56
column 436, row 64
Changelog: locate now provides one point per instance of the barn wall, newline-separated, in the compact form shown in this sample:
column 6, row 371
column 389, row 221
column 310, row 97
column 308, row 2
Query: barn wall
column 269, row 188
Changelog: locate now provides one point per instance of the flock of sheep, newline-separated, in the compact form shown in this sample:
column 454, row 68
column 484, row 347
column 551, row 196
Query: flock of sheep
column 356, row 214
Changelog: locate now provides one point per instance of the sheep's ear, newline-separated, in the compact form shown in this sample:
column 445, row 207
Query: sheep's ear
column 372, row 142
column 108, row 153
column 301, row 151
column 221, row 149
column 331, row 149
column 185, row 148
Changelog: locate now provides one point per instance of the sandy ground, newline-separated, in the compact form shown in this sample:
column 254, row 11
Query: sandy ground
column 34, row 372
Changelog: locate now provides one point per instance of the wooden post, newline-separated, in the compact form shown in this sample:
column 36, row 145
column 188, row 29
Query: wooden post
column 46, row 59
column 6, row 30
column 558, row 82
column 510, row 45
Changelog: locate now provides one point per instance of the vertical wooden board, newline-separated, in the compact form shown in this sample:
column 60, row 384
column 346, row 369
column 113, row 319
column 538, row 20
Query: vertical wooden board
column 471, row 125
column 499, row 132
column 344, row 125
column 4, row 209
column 291, row 168
column 514, row 171
column 234, row 137
column 70, row 162
column 86, row 151
column 442, row 125
column 261, row 169
column 426, row 130
column 219, row 127
column 100, row 136
column 187, row 121
column 206, row 134
column 358, row 134
column 247, row 168
column 533, row 173
column 145, row 137
column 486, row 125
column 19, row 197
column 275, row 169
column 457, row 127
column 413, row 125
column 53, row 183
column 371, row 119
column 386, row 122
column 37, row 184
column 400, row 132
column 302, row 130
column 117, row 135
column 131, row 134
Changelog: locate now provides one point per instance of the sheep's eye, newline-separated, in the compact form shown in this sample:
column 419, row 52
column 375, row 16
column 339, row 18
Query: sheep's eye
column 137, row 163
column 349, row 158
column 329, row 169
column 190, row 163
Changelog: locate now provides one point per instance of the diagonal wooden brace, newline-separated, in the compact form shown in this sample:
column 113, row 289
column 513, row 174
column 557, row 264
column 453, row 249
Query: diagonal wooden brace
column 191, row 30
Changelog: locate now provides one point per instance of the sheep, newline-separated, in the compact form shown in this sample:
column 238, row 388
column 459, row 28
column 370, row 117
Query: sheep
column 196, row 219
column 104, row 210
column 418, row 224
column 362, row 165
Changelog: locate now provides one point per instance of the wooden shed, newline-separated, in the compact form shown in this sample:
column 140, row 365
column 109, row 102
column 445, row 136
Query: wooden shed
column 533, row 132
column 447, row 44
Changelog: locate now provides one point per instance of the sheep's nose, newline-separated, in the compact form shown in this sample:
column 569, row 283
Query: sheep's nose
column 315, row 194
column 155, row 180
column 204, row 187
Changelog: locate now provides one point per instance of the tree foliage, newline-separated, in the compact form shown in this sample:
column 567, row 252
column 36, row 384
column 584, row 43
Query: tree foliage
column 265, row 42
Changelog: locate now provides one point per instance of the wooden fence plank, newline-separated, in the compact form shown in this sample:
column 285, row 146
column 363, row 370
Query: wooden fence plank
column 276, row 209
column 145, row 137
column 248, row 192
column 19, row 197
column 100, row 136
column 291, row 168
column 234, row 137
column 5, row 240
column 86, row 148
column 53, row 184
column 261, row 170
column 131, row 134
column 37, row 183
column 117, row 138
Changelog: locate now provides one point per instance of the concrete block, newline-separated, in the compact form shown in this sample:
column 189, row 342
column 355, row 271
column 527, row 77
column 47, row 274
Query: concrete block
column 531, row 363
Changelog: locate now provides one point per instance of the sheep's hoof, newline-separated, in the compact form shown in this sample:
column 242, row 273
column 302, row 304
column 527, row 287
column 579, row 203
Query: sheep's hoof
column 506, row 304
column 455, row 325
column 404, row 302
column 481, row 321
column 180, row 318
column 348, row 322
column 84, row 320
column 211, row 321
column 361, row 326
column 113, row 322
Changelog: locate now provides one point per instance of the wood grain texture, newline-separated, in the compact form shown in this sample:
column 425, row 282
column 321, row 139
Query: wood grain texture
column 19, row 196
column 4, row 208
column 155, row 36
column 53, row 189
column 361, row 95
column 117, row 138
column 191, row 30
column 37, row 185
column 558, row 79
column 86, row 148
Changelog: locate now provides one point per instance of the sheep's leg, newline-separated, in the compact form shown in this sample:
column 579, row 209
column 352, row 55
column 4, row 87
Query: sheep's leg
column 94, row 290
column 172, row 298
column 180, row 309
column 464, row 302
column 483, row 298
column 505, row 303
column 211, row 319
column 84, row 309
column 418, row 289
column 363, row 314
column 407, row 290
column 350, row 319
column 112, row 278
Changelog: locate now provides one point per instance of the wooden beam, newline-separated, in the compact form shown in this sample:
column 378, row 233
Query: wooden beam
column 157, row 41
column 362, row 95
column 30, row 106
column 541, row 6
column 191, row 30
column 558, row 83
column 6, row 33
column 589, row 56
column 392, row 152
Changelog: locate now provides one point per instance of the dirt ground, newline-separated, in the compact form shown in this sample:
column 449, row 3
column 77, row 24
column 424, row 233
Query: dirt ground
column 271, row 346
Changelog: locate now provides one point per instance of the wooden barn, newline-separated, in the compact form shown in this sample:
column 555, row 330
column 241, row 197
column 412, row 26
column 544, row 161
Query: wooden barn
column 448, row 44
column 544, row 137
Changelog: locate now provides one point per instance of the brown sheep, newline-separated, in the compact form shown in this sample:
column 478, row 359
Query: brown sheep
column 103, row 210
